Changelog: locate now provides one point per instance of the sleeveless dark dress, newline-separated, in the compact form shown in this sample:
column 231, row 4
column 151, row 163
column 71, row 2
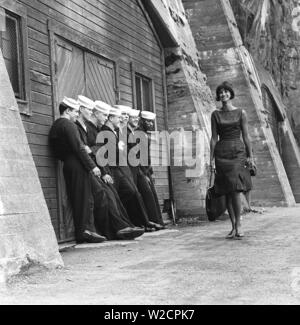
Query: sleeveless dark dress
column 230, row 154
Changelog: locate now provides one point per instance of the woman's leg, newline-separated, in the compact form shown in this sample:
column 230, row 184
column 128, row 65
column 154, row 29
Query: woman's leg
column 231, row 214
column 237, row 206
column 248, row 199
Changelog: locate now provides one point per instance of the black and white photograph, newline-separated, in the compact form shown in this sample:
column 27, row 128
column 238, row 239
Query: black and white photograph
column 149, row 155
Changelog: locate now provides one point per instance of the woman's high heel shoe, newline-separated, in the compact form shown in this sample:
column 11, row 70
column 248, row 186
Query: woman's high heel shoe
column 239, row 235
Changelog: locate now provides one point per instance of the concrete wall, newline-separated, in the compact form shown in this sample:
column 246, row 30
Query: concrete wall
column 288, row 148
column 190, row 104
column 223, row 57
column 26, row 234
column 293, row 70
column 272, row 35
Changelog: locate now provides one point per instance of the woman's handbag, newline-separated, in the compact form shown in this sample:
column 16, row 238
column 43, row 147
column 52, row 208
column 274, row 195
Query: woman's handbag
column 215, row 205
column 252, row 169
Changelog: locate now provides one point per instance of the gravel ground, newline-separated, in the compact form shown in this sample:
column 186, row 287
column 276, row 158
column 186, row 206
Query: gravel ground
column 187, row 265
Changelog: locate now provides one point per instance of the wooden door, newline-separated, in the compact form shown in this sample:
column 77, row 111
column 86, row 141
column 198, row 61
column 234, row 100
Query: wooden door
column 70, row 79
column 100, row 79
column 69, row 70
column 78, row 73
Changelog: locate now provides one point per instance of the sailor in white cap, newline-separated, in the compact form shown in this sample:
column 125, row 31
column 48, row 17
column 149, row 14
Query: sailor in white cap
column 85, row 113
column 124, row 116
column 70, row 102
column 99, row 117
column 86, row 109
column 72, row 110
column 133, row 123
column 101, row 112
column 122, row 176
column 148, row 115
column 86, row 102
column 145, row 182
column 148, row 119
column 134, row 118
column 78, row 166
column 114, row 120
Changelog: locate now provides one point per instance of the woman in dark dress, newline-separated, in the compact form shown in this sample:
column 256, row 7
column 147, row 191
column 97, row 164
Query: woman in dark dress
column 231, row 151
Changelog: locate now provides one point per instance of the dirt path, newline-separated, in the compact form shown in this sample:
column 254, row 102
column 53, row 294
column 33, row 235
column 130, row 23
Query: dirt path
column 187, row 265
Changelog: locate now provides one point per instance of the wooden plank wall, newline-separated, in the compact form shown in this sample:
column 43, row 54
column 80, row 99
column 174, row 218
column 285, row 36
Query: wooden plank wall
column 118, row 26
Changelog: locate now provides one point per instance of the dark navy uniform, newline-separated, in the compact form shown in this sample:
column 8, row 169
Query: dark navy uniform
column 126, row 187
column 78, row 166
column 110, row 215
column 145, row 185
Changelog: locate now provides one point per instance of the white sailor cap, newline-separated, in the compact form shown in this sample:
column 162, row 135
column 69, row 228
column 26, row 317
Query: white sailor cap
column 115, row 112
column 123, row 109
column 102, row 107
column 70, row 102
column 134, row 113
column 86, row 102
column 148, row 115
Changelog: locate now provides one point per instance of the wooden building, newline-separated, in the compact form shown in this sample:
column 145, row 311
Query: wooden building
column 106, row 50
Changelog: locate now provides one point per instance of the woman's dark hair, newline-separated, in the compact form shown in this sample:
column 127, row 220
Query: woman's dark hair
column 62, row 108
column 227, row 86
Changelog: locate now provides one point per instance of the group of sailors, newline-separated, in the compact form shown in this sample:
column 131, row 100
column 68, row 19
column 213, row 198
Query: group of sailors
column 113, row 201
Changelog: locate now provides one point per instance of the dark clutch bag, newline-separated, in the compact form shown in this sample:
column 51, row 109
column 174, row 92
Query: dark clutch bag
column 215, row 205
column 252, row 169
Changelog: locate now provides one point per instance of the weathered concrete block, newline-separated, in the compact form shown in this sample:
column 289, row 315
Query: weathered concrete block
column 26, row 234
column 190, row 104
